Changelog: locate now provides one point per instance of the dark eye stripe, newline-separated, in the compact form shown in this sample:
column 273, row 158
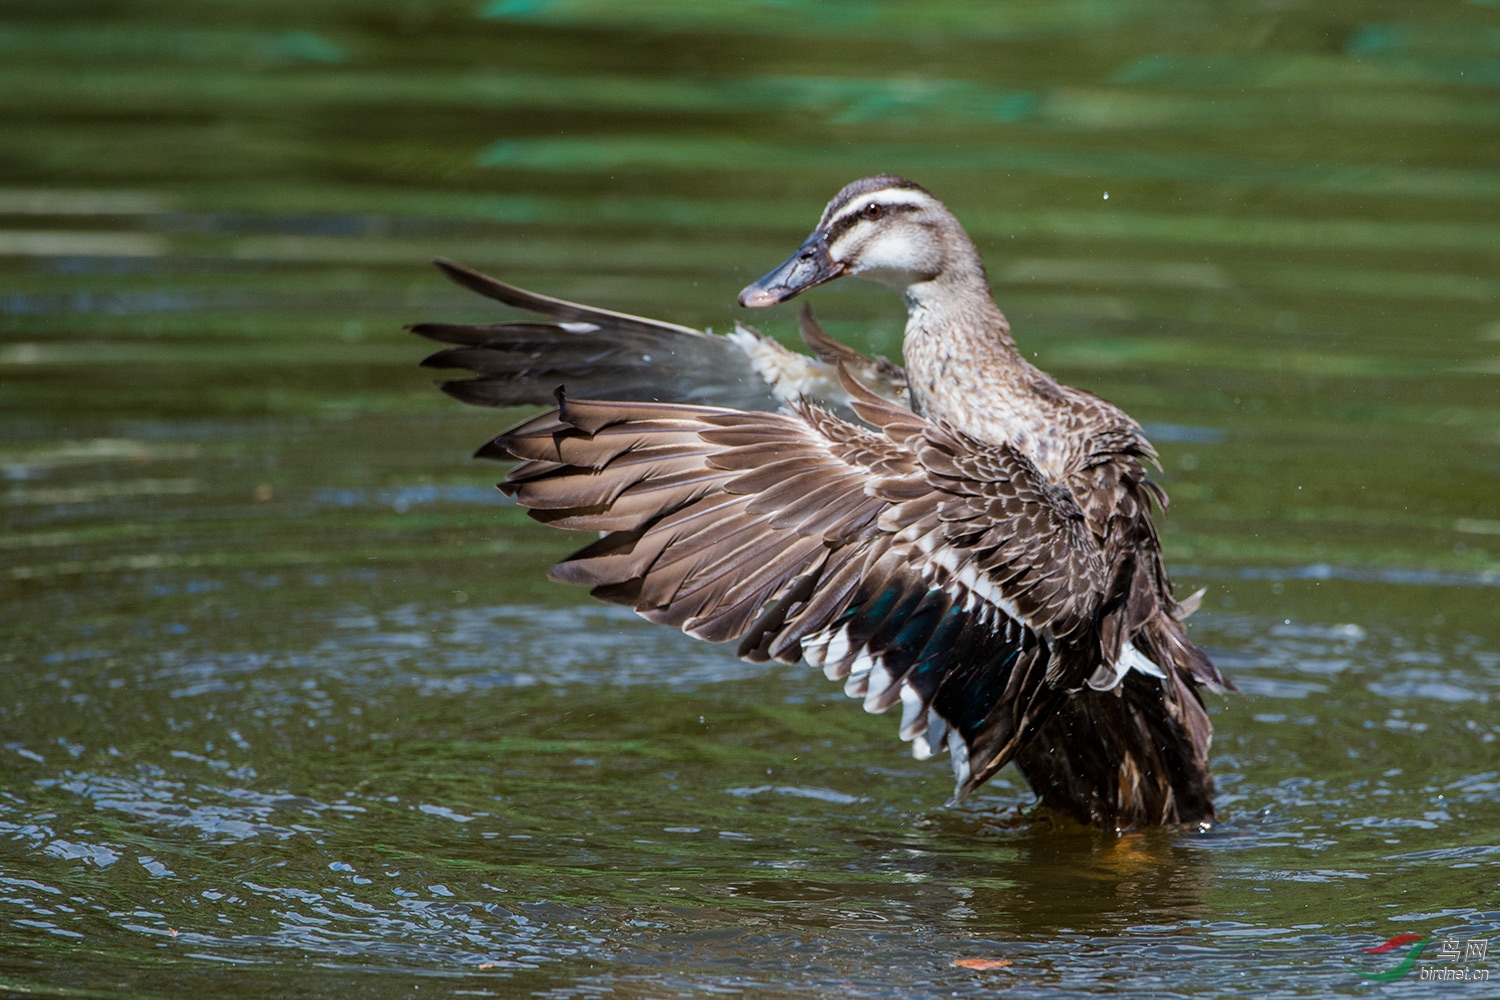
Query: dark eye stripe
column 843, row 224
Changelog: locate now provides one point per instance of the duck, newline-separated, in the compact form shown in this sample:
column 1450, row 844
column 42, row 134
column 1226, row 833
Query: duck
column 960, row 535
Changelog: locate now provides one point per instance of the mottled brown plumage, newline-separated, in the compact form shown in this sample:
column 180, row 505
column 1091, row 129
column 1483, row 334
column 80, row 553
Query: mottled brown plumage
column 979, row 550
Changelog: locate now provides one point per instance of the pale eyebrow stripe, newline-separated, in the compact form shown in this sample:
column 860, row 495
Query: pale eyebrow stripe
column 888, row 196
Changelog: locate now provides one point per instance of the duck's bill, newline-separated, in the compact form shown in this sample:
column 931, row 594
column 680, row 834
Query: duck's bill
column 809, row 266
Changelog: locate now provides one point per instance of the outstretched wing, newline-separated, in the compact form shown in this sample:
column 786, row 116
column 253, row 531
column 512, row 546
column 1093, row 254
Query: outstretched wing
column 594, row 352
column 601, row 354
column 921, row 566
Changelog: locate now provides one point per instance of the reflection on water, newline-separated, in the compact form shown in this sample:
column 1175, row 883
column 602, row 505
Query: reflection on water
column 288, row 707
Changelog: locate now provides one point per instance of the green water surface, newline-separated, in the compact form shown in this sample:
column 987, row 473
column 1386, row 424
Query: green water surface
column 289, row 709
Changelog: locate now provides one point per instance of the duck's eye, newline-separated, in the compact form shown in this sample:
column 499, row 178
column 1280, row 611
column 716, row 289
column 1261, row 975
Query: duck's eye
column 873, row 210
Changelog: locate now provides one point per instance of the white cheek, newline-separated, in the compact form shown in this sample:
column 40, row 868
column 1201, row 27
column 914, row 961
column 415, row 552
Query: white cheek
column 901, row 252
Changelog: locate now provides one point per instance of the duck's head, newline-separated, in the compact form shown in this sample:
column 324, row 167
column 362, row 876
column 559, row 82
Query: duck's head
column 884, row 228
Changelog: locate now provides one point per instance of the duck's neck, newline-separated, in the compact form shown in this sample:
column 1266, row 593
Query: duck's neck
column 963, row 368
